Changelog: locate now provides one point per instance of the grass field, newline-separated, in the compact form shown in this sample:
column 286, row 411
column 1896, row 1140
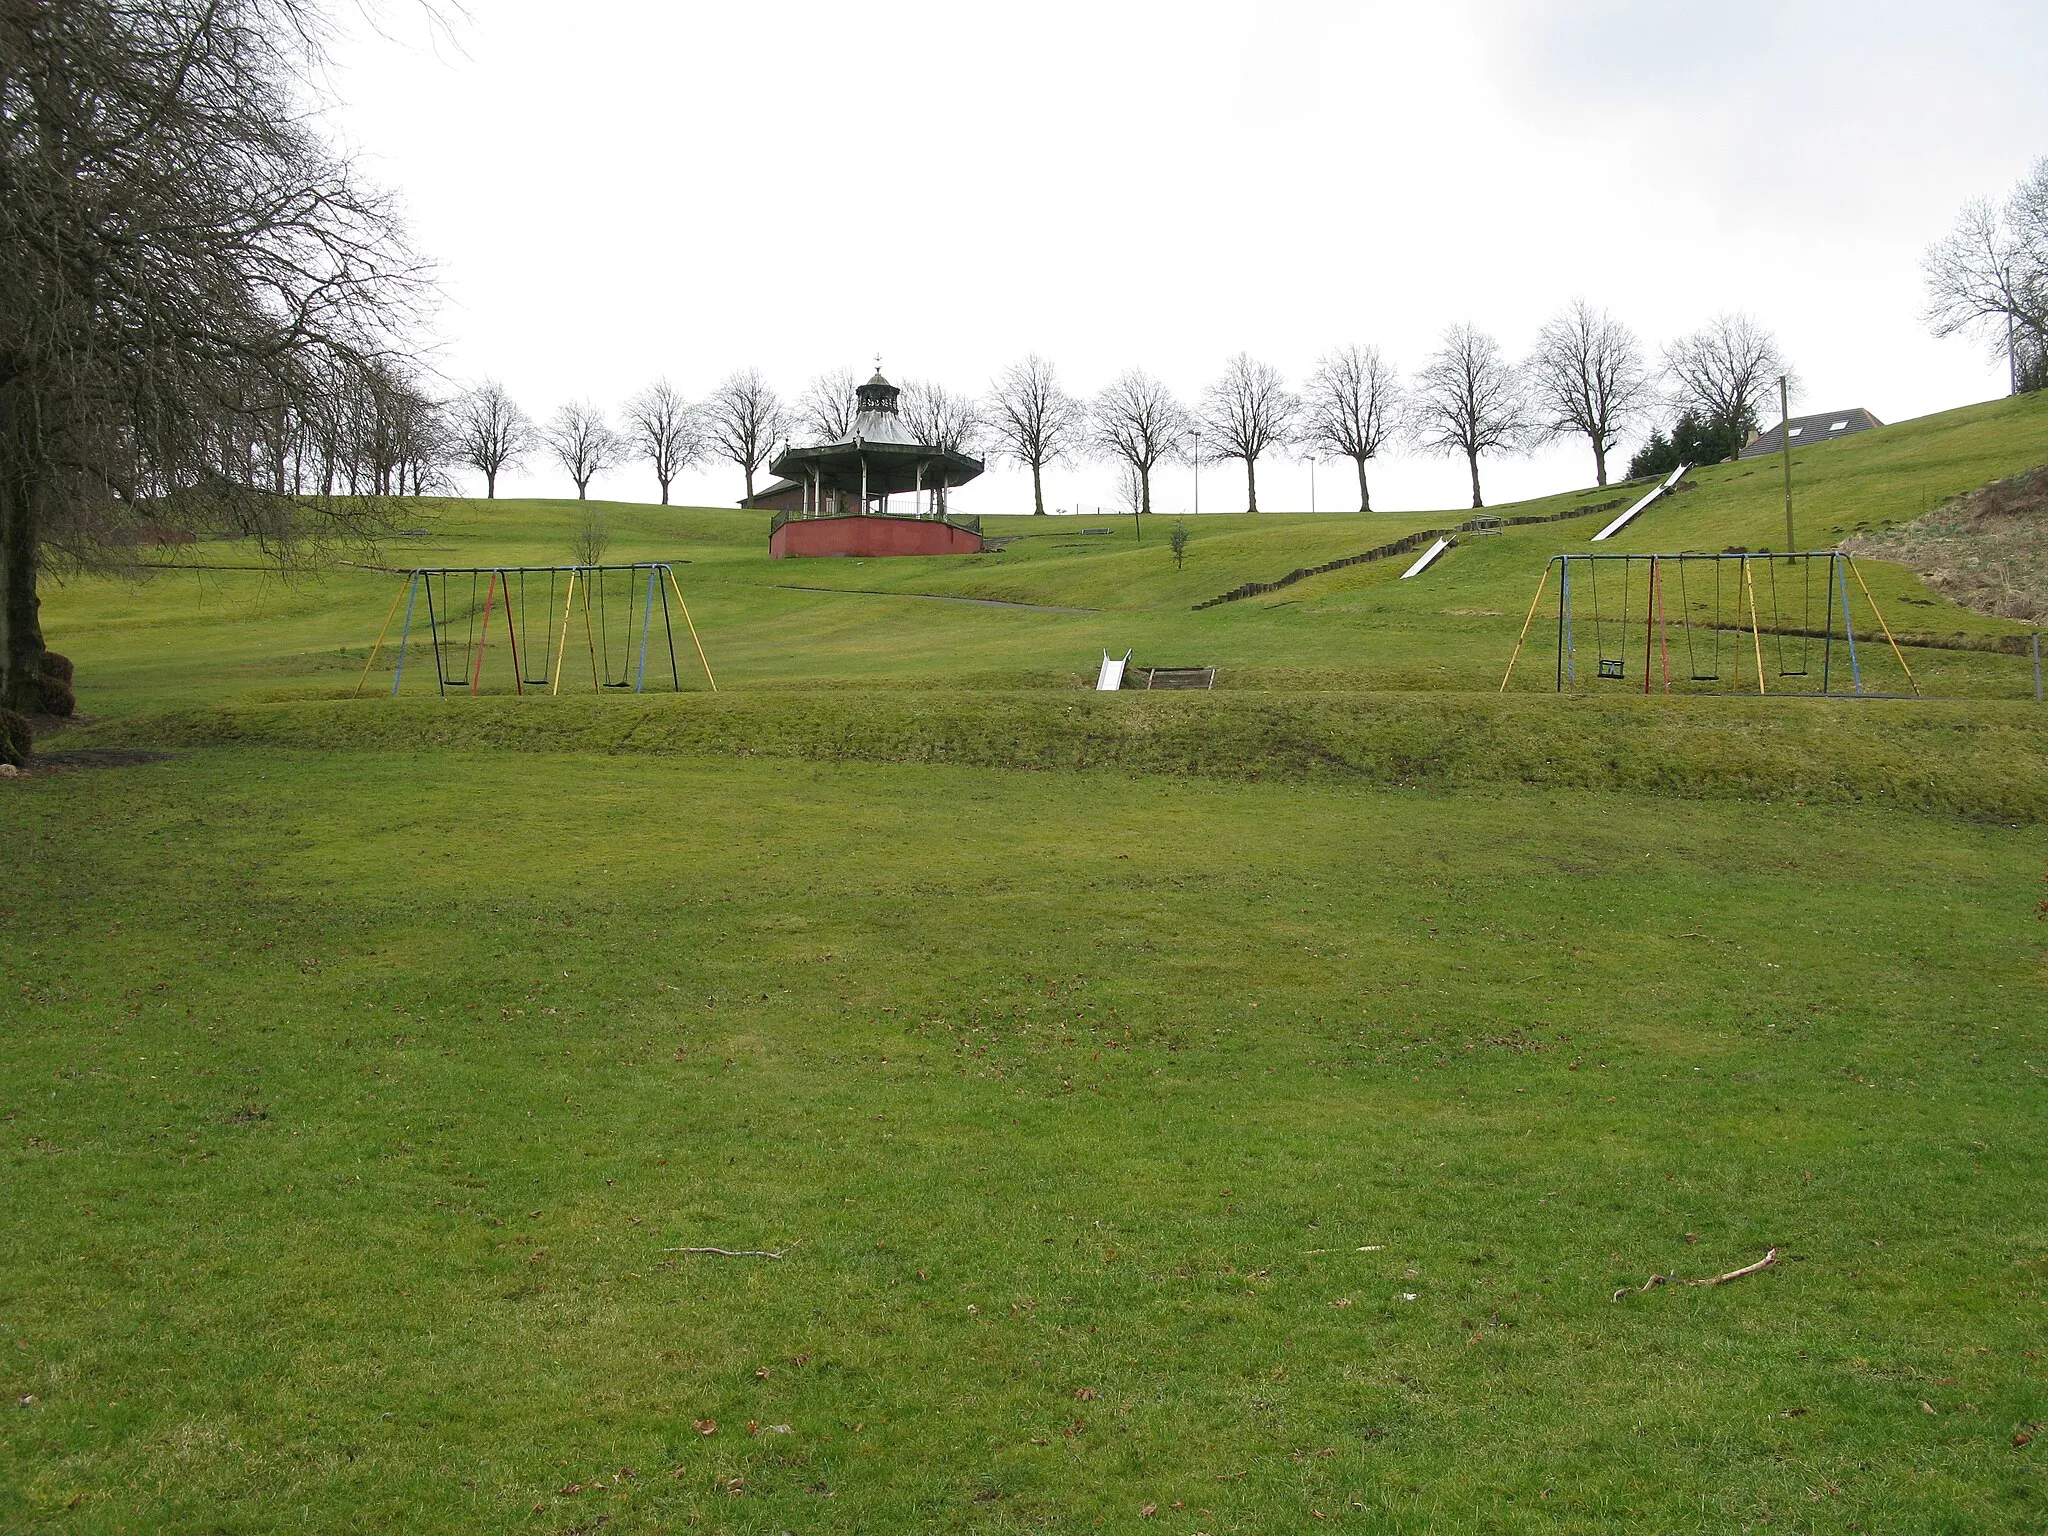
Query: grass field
column 1243, row 1112
column 199, row 635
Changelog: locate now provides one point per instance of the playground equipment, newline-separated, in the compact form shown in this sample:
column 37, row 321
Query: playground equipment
column 537, row 608
column 1657, row 493
column 1110, row 677
column 1428, row 558
column 1694, row 613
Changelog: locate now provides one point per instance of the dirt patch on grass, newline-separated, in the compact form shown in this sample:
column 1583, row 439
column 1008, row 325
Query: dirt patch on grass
column 1987, row 551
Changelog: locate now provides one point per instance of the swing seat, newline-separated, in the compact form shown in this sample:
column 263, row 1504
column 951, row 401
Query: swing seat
column 1613, row 667
column 1706, row 677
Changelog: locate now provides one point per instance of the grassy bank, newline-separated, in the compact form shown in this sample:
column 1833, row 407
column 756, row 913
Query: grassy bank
column 221, row 627
column 1981, row 760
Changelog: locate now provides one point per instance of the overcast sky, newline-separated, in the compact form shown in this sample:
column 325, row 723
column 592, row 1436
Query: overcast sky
column 623, row 189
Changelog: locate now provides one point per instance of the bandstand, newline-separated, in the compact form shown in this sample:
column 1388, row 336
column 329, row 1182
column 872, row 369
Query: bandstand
column 847, row 488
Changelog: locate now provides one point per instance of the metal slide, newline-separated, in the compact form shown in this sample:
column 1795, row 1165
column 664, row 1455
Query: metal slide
column 1429, row 556
column 1642, row 506
column 1111, row 677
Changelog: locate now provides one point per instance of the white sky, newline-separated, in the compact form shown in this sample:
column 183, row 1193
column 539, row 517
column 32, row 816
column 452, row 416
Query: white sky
column 622, row 189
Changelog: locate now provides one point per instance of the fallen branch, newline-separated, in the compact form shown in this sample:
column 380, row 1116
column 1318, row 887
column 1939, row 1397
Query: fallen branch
column 1734, row 1274
column 729, row 1253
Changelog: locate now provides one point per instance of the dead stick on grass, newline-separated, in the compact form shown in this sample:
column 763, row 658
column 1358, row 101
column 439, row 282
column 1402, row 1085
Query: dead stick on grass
column 729, row 1253
column 1734, row 1274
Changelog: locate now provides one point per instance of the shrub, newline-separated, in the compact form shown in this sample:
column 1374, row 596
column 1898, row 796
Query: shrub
column 58, row 667
column 16, row 739
column 53, row 696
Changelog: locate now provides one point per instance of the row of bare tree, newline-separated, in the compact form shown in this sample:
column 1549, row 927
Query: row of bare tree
column 1588, row 377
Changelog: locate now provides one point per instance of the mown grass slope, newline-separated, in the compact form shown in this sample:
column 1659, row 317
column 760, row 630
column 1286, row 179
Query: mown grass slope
column 219, row 630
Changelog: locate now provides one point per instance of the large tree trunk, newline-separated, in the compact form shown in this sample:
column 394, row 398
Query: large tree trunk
column 750, row 480
column 490, row 485
column 664, row 493
column 581, row 487
column 1251, row 485
column 1144, row 492
column 1478, row 501
column 1600, row 461
column 21, row 630
column 1037, row 492
column 1364, row 490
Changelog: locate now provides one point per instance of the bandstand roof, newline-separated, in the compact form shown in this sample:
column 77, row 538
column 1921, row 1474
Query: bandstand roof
column 880, row 449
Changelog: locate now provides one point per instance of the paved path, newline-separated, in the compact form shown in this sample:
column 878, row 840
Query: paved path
column 938, row 597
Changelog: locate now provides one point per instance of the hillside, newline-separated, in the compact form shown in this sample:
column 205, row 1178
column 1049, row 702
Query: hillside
column 220, row 625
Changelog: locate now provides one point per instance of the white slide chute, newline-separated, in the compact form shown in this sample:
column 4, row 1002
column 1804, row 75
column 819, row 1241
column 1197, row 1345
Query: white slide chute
column 1642, row 506
column 1429, row 556
column 1111, row 677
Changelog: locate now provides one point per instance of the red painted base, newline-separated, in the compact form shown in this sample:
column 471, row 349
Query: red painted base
column 870, row 538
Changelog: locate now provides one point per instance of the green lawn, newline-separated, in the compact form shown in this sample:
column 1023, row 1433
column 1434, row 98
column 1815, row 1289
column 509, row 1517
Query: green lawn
column 1191, row 1113
column 1108, row 1126
column 222, row 630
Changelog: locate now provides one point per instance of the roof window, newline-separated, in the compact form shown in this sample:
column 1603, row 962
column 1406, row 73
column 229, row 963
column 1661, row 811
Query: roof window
column 1840, row 426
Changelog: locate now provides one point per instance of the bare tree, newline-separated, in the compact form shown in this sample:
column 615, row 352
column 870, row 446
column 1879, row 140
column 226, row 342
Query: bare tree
column 190, row 281
column 1990, row 275
column 589, row 539
column 661, row 427
column 830, row 402
column 492, row 433
column 1586, row 378
column 1470, row 402
column 942, row 417
column 583, row 443
column 1246, row 413
column 1137, row 422
column 1726, row 371
column 745, row 421
column 1034, row 422
column 1352, row 408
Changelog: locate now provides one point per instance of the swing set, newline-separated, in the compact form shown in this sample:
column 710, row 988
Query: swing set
column 537, row 608
column 1682, row 619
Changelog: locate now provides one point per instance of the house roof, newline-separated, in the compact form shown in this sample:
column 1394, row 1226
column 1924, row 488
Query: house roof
column 776, row 488
column 1823, row 428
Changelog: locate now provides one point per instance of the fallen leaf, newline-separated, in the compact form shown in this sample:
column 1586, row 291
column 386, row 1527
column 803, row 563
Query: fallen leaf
column 2021, row 1438
column 569, row 1488
column 1147, row 1512
column 706, row 1426
column 761, row 1373
column 1926, row 1407
column 1341, row 1301
column 1084, row 1395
